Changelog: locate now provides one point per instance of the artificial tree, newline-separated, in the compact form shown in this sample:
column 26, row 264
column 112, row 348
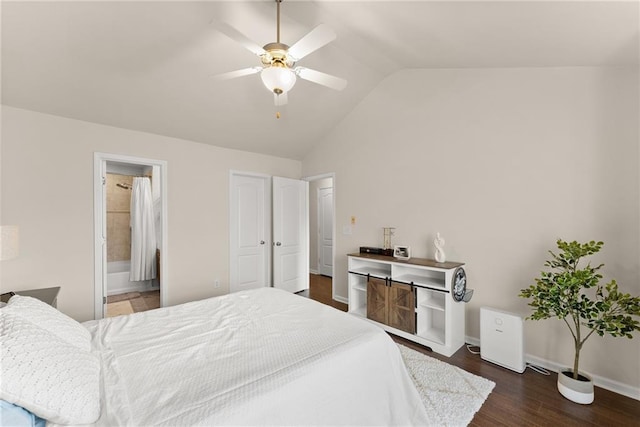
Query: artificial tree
column 562, row 293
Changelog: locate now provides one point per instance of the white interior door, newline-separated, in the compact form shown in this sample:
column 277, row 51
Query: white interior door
column 290, row 234
column 249, row 228
column 325, row 231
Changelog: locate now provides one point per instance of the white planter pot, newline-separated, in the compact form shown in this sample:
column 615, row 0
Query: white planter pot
column 579, row 391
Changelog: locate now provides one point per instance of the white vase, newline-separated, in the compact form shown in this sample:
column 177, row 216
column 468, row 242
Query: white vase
column 439, row 244
column 579, row 391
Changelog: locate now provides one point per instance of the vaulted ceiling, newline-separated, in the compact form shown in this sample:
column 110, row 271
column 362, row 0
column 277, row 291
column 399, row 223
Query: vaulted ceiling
column 147, row 65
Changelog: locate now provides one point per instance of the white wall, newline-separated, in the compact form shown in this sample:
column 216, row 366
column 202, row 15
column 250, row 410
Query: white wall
column 501, row 162
column 47, row 189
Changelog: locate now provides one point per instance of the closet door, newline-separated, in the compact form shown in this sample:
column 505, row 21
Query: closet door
column 249, row 231
column 290, row 234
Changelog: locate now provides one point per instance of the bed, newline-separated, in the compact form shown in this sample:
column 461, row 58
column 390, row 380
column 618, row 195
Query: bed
column 262, row 357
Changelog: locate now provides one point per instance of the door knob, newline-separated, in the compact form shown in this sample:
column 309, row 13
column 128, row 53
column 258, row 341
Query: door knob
column 278, row 244
column 262, row 242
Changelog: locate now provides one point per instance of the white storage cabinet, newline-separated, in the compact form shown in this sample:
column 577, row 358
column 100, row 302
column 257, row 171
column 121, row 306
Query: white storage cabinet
column 439, row 318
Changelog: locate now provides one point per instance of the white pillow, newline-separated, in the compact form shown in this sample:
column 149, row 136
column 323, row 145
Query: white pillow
column 45, row 316
column 46, row 375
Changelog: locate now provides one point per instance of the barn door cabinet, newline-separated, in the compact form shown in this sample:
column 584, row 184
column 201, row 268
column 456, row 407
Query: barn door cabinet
column 412, row 299
column 391, row 303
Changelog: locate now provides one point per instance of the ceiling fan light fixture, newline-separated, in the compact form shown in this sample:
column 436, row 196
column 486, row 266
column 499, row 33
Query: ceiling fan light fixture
column 278, row 78
column 278, row 68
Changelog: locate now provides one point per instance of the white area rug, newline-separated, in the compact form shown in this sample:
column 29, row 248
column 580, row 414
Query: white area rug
column 451, row 395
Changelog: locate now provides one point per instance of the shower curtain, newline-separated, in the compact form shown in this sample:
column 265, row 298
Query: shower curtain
column 143, row 235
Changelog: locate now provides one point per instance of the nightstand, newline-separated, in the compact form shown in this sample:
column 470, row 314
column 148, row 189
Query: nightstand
column 48, row 295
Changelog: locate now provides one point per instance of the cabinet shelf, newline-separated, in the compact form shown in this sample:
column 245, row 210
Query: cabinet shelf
column 360, row 287
column 433, row 304
column 432, row 299
column 374, row 271
column 436, row 335
column 420, row 280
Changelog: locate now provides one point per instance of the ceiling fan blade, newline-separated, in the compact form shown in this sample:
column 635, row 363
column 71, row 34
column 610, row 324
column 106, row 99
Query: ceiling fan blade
column 236, row 35
column 313, row 40
column 281, row 99
column 237, row 73
column 323, row 79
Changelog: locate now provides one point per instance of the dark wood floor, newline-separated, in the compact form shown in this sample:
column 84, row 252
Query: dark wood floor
column 528, row 399
column 321, row 291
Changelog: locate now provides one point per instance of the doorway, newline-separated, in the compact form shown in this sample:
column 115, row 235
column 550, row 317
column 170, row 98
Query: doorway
column 322, row 232
column 130, row 234
column 325, row 229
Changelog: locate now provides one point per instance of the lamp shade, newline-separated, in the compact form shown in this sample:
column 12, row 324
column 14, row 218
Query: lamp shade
column 278, row 79
column 8, row 242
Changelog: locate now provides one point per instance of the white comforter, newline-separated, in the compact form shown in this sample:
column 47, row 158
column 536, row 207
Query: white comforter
column 263, row 357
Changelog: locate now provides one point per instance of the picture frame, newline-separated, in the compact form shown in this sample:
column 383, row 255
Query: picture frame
column 402, row 252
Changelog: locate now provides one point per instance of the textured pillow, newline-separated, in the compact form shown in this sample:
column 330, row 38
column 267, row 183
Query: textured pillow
column 45, row 375
column 50, row 319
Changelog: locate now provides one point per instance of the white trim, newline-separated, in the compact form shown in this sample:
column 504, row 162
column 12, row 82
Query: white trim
column 253, row 174
column 99, row 270
column 319, row 177
column 99, row 170
column 606, row 383
column 317, row 231
column 331, row 175
column 313, row 271
column 142, row 287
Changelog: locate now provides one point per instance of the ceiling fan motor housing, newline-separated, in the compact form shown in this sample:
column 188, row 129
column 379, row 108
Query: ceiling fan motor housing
column 277, row 52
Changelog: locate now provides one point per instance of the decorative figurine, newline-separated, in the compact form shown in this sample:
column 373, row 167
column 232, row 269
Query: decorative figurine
column 439, row 243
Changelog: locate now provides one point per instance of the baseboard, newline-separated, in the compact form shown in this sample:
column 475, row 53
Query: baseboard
column 314, row 271
column 126, row 289
column 606, row 383
column 602, row 382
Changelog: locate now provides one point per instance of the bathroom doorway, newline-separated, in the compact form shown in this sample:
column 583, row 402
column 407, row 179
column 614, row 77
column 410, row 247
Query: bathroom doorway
column 130, row 231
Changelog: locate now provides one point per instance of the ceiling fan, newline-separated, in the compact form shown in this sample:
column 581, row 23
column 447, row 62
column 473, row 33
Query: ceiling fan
column 278, row 68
